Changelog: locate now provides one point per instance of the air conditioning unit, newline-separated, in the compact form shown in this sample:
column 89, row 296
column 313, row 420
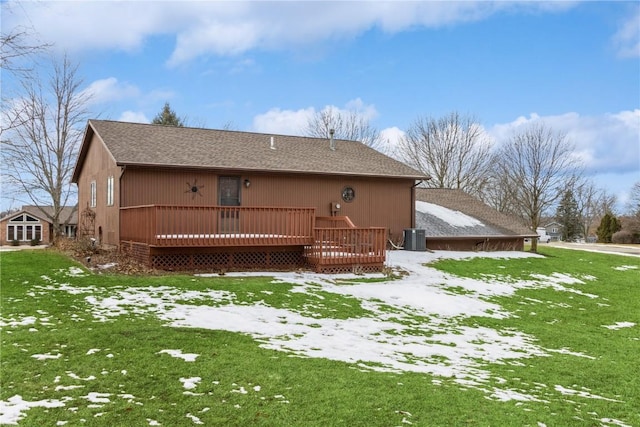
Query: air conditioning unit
column 415, row 239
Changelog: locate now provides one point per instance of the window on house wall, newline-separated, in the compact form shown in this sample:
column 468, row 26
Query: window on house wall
column 110, row 191
column 92, row 201
column 24, row 232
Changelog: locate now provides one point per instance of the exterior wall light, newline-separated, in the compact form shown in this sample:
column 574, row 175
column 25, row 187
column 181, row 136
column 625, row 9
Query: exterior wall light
column 247, row 183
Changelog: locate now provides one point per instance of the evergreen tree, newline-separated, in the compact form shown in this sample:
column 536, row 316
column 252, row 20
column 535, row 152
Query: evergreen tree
column 568, row 217
column 608, row 225
column 167, row 117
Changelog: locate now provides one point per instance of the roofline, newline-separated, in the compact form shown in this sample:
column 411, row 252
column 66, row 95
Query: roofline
column 293, row 171
column 500, row 236
column 84, row 147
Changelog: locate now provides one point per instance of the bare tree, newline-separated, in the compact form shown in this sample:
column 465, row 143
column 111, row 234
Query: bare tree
column 496, row 193
column 350, row 125
column 633, row 206
column 15, row 46
column 39, row 153
column 17, row 59
column 537, row 165
column 592, row 204
column 454, row 150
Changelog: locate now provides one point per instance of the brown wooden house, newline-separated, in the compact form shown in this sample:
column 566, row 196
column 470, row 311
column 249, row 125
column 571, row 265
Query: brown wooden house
column 188, row 198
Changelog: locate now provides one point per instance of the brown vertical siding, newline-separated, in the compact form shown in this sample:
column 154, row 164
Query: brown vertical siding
column 168, row 187
column 378, row 202
column 99, row 165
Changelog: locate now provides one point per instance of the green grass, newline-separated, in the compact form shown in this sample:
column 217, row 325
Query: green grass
column 242, row 383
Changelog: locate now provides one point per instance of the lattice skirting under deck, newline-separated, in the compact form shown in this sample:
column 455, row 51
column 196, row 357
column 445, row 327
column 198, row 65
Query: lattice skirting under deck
column 226, row 259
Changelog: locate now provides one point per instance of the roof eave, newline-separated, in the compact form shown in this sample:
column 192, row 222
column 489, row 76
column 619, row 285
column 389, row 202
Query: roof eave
column 292, row 171
column 494, row 237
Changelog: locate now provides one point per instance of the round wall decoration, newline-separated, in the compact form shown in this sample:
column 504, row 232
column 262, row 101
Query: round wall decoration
column 194, row 189
column 348, row 194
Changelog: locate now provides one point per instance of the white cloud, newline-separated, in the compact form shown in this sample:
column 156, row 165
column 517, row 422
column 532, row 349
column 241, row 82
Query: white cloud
column 133, row 117
column 391, row 138
column 609, row 146
column 369, row 112
column 608, row 143
column 294, row 122
column 227, row 28
column 109, row 90
column 284, row 122
column 627, row 38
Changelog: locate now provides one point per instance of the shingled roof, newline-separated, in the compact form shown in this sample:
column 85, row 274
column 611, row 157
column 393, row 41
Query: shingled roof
column 68, row 214
column 475, row 218
column 171, row 146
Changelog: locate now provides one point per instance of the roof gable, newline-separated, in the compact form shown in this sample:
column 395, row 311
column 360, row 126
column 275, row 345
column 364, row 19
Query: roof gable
column 170, row 146
column 68, row 214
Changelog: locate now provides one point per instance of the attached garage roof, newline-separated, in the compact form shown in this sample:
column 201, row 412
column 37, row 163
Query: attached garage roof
column 183, row 147
column 444, row 212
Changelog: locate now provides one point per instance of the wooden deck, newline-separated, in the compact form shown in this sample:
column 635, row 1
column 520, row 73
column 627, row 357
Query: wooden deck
column 215, row 226
column 199, row 237
column 347, row 249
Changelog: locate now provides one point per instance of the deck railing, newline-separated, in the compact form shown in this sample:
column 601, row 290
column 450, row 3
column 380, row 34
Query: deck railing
column 334, row 221
column 168, row 225
column 348, row 245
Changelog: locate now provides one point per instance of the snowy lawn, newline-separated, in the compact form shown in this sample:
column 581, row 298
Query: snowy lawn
column 449, row 339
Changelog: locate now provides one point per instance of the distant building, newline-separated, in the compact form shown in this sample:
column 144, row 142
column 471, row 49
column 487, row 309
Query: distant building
column 32, row 223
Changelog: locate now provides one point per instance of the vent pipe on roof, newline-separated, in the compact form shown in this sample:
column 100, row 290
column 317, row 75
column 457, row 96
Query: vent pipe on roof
column 332, row 143
column 273, row 144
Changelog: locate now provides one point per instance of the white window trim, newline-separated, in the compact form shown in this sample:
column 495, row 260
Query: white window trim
column 93, row 195
column 110, row 190
column 27, row 229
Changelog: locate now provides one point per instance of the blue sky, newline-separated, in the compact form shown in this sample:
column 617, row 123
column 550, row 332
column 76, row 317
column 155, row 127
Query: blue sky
column 267, row 66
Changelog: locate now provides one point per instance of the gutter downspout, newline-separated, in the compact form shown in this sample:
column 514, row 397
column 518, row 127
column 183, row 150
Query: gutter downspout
column 413, row 203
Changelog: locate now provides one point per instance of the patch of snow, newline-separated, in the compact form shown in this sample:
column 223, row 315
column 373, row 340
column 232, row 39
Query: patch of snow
column 92, row 351
column 106, row 266
column 190, row 383
column 625, row 267
column 13, row 409
column 77, row 377
column 195, row 419
column 569, row 352
column 582, row 393
column 451, row 217
column 614, row 422
column 25, row 321
column 46, row 356
column 619, row 325
column 75, row 272
column 187, row 357
column 95, row 397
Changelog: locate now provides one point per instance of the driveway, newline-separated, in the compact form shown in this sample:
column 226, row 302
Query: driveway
column 629, row 250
